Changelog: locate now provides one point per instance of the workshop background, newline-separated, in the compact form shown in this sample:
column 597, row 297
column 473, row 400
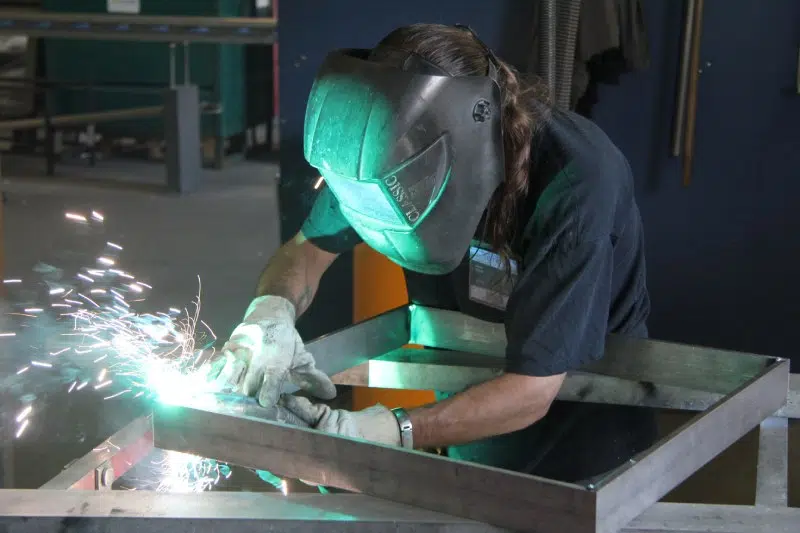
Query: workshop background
column 723, row 252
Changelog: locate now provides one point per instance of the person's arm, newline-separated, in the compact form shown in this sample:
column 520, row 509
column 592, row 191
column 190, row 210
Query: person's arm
column 294, row 272
column 556, row 322
column 503, row 405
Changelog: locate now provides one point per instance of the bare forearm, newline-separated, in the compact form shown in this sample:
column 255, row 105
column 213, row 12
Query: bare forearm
column 294, row 273
column 505, row 404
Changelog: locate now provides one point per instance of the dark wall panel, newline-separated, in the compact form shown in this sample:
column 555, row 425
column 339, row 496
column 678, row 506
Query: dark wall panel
column 724, row 254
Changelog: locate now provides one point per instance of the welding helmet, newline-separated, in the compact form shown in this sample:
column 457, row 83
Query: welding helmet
column 412, row 154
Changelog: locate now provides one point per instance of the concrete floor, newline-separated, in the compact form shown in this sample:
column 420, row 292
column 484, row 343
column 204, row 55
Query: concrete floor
column 224, row 233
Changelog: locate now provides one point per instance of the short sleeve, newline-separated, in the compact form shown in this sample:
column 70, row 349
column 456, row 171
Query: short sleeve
column 327, row 228
column 557, row 315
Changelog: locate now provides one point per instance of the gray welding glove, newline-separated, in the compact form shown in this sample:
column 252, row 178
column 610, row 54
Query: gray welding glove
column 265, row 350
column 376, row 423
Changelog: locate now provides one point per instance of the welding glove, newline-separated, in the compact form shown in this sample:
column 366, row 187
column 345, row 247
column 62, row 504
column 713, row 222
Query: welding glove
column 376, row 423
column 265, row 350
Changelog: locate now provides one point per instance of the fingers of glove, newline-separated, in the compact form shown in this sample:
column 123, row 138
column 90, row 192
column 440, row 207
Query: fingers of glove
column 245, row 336
column 233, row 370
column 304, row 409
column 252, row 379
column 271, row 386
column 311, row 379
column 288, row 417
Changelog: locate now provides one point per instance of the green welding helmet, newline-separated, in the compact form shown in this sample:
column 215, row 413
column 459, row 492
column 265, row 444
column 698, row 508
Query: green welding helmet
column 411, row 153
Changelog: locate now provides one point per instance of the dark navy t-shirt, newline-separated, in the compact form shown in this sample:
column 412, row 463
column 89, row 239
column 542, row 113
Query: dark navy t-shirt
column 581, row 273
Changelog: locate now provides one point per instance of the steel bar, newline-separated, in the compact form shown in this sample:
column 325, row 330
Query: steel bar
column 650, row 476
column 422, row 371
column 448, row 371
column 94, row 117
column 121, row 451
column 238, row 30
column 772, row 480
column 27, row 511
column 352, row 346
column 698, row 518
column 683, row 79
column 691, row 97
column 499, row 497
column 241, row 512
column 678, row 365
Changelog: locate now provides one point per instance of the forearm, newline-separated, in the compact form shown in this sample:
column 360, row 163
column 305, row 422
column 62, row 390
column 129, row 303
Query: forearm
column 505, row 404
column 294, row 272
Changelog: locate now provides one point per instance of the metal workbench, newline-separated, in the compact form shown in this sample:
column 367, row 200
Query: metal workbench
column 182, row 105
column 402, row 490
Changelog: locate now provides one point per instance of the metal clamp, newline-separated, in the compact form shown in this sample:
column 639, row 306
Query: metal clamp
column 104, row 476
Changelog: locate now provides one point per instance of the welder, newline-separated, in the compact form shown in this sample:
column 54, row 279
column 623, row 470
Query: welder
column 496, row 204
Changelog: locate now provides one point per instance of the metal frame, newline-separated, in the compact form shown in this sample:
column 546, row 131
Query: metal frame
column 477, row 494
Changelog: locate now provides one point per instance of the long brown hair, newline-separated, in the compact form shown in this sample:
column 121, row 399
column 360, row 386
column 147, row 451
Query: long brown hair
column 458, row 52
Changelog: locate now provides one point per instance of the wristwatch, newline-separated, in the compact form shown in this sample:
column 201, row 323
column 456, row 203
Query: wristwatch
column 406, row 430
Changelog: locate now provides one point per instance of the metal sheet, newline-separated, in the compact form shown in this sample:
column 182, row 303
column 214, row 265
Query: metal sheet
column 499, row 497
column 637, row 485
column 772, row 479
column 238, row 30
column 679, row 365
column 122, row 450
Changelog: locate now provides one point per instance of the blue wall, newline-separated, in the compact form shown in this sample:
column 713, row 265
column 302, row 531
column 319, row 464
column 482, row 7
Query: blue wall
column 724, row 253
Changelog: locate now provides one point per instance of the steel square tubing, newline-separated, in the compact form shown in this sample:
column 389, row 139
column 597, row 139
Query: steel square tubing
column 449, row 371
column 649, row 361
column 475, row 492
column 36, row 511
column 501, row 498
column 121, row 452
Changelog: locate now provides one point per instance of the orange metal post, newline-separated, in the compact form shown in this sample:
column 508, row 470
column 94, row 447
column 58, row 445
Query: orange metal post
column 378, row 286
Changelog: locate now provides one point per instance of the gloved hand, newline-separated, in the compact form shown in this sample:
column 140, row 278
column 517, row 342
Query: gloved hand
column 376, row 423
column 265, row 350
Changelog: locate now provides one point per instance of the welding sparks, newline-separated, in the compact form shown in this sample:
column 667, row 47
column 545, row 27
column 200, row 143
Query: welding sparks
column 22, row 428
column 24, row 414
column 103, row 385
column 156, row 355
column 117, row 395
column 319, row 183
column 11, row 281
